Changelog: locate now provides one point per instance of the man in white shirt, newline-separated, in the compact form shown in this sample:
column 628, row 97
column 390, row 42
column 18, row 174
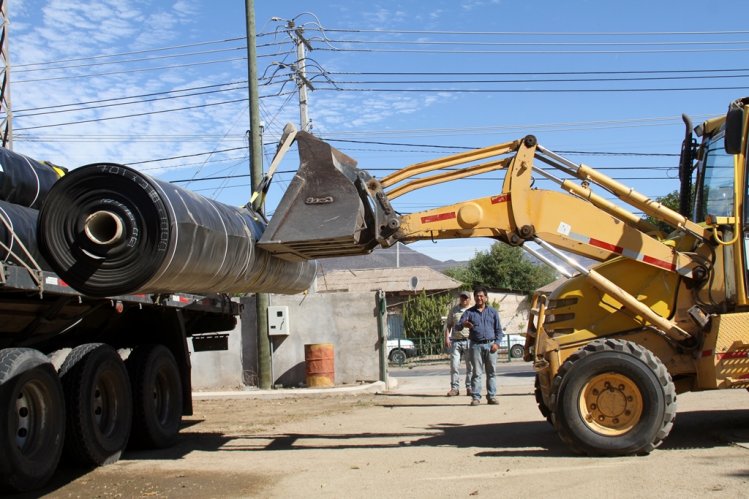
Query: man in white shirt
column 456, row 343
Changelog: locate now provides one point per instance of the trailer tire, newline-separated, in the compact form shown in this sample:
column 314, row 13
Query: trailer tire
column 613, row 398
column 157, row 396
column 32, row 419
column 99, row 404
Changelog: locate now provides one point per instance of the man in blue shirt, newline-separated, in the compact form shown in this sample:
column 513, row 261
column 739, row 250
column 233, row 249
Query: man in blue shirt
column 485, row 335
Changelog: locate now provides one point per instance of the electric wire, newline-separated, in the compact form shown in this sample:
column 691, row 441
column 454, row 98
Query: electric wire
column 138, row 70
column 535, row 33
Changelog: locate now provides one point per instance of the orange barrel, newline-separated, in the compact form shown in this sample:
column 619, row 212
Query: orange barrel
column 320, row 361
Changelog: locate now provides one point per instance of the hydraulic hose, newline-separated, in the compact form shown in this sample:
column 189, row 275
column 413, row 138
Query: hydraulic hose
column 108, row 230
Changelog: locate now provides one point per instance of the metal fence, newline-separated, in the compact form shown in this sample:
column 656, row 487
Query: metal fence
column 427, row 346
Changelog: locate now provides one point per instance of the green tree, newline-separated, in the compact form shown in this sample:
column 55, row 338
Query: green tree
column 670, row 200
column 504, row 267
column 422, row 316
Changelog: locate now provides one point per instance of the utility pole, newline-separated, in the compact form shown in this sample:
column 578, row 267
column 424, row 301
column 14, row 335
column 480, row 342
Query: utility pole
column 6, row 126
column 256, row 175
column 300, row 72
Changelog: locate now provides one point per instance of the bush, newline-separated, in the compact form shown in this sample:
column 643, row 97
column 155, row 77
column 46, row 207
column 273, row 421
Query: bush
column 422, row 316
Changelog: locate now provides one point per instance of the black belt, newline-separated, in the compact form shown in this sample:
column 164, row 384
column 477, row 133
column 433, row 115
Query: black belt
column 459, row 339
column 482, row 342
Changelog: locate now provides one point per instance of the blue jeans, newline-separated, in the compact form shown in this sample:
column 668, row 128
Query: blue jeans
column 483, row 360
column 458, row 348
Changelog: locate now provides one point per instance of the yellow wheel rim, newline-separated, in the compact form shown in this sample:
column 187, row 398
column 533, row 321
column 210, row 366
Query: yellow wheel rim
column 611, row 404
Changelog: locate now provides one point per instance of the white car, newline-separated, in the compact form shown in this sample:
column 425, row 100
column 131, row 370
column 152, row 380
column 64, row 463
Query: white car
column 399, row 352
column 517, row 345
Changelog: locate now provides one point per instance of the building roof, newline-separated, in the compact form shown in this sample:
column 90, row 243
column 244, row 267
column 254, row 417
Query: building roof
column 408, row 279
column 552, row 285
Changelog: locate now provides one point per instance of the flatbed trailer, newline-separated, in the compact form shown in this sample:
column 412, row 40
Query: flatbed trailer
column 86, row 377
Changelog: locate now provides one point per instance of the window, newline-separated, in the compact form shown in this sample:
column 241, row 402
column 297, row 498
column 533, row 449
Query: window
column 717, row 196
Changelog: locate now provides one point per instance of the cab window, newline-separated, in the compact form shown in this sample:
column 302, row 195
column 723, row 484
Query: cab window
column 717, row 181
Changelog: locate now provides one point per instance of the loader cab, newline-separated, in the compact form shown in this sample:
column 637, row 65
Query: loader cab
column 722, row 188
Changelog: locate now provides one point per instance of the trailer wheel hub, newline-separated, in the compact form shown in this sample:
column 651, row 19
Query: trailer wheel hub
column 611, row 404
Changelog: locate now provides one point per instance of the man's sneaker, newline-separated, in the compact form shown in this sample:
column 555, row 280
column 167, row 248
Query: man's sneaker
column 469, row 392
column 475, row 401
column 492, row 401
column 453, row 393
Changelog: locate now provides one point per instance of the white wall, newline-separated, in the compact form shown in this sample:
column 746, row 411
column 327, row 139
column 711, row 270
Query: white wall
column 347, row 320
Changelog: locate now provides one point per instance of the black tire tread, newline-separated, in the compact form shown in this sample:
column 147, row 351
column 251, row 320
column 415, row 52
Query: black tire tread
column 397, row 353
column 146, row 434
column 637, row 351
column 24, row 473
column 542, row 407
column 78, row 447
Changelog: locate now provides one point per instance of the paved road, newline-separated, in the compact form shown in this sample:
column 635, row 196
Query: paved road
column 435, row 377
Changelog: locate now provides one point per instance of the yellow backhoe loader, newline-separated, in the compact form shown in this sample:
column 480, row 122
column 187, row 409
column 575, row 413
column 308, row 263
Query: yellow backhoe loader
column 615, row 343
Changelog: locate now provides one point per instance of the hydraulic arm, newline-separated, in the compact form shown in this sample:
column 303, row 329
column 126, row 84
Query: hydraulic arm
column 333, row 208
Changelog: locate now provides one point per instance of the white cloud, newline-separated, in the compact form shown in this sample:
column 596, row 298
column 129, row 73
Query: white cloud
column 70, row 29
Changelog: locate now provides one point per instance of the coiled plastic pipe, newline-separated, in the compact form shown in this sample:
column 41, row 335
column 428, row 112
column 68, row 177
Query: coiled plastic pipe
column 18, row 231
column 108, row 230
column 24, row 181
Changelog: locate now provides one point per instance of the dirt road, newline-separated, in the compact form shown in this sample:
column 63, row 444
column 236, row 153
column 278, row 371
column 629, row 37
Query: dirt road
column 415, row 442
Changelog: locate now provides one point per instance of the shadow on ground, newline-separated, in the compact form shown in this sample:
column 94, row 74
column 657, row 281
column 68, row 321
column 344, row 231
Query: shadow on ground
column 692, row 430
column 699, row 429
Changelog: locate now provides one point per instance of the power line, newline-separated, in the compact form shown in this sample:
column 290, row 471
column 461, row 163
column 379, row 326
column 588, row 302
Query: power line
column 195, row 155
column 114, row 104
column 537, row 80
column 534, row 33
column 527, row 52
column 528, row 73
column 134, row 52
column 138, row 70
column 126, row 61
column 135, row 115
column 442, row 146
column 530, row 90
column 138, row 96
column 535, row 44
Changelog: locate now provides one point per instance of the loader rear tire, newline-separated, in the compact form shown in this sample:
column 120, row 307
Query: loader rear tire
column 613, row 398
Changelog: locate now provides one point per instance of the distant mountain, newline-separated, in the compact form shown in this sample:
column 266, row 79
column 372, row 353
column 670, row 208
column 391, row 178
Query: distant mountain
column 585, row 262
column 404, row 256
column 392, row 257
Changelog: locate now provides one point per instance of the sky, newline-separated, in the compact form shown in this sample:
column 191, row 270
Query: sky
column 162, row 86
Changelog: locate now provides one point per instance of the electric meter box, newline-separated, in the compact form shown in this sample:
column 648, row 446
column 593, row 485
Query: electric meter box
column 278, row 321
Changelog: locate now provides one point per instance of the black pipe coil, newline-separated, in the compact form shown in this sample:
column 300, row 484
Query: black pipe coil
column 18, row 225
column 155, row 237
column 25, row 181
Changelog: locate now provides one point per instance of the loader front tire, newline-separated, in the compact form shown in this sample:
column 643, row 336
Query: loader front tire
column 613, row 398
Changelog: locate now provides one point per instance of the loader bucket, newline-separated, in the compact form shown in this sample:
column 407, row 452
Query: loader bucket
column 325, row 212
